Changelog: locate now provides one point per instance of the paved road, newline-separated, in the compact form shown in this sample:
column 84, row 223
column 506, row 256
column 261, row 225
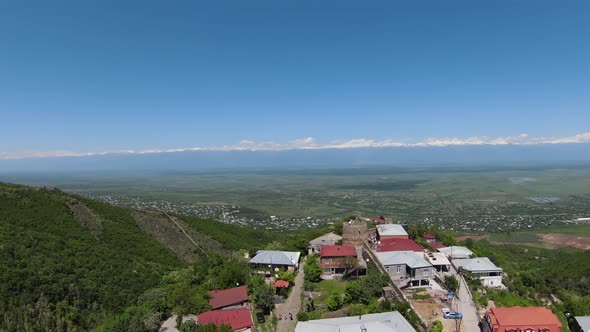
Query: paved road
column 463, row 303
column 292, row 304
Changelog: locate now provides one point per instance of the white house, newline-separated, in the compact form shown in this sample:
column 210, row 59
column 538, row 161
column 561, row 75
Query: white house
column 276, row 260
column 481, row 267
column 456, row 252
column 316, row 244
column 407, row 265
column 391, row 231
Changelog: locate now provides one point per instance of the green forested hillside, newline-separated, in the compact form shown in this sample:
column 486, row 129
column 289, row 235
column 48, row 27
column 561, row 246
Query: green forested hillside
column 57, row 273
column 537, row 275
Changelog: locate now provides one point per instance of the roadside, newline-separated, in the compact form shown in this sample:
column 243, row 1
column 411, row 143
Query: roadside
column 463, row 303
column 292, row 305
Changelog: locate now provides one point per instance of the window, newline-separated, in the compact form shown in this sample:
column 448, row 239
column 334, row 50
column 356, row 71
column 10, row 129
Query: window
column 398, row 269
column 425, row 273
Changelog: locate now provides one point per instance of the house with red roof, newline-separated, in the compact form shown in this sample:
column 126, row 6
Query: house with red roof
column 239, row 319
column 525, row 319
column 228, row 298
column 394, row 244
column 430, row 238
column 338, row 259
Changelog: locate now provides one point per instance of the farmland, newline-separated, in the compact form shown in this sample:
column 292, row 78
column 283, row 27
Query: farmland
column 462, row 198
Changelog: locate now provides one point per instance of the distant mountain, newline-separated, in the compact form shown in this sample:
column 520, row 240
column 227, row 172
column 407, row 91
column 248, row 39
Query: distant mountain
column 324, row 158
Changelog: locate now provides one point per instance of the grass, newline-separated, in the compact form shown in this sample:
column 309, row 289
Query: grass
column 516, row 237
column 577, row 230
column 503, row 299
column 329, row 287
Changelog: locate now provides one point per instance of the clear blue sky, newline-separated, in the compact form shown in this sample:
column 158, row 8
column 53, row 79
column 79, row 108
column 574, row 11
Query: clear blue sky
column 93, row 75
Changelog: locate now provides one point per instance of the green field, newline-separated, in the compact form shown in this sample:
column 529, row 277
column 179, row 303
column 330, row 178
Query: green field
column 462, row 198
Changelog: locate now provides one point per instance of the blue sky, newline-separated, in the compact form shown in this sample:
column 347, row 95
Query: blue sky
column 112, row 75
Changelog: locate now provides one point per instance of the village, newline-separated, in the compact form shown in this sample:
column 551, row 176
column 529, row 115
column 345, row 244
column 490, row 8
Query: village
column 417, row 274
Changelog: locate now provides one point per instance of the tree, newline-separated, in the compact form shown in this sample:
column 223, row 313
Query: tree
column 312, row 269
column 334, row 302
column 349, row 263
column 263, row 297
column 451, row 283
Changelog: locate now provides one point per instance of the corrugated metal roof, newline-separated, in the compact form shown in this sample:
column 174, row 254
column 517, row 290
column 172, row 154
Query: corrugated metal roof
column 276, row 257
column 479, row 264
column 391, row 230
column 383, row 322
column 409, row 258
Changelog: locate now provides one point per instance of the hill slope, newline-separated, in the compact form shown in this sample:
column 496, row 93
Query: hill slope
column 66, row 263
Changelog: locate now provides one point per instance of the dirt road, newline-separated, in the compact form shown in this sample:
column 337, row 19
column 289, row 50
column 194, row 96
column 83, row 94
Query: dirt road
column 292, row 304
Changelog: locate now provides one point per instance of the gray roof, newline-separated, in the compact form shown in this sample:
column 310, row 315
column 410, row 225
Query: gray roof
column 409, row 258
column 479, row 264
column 328, row 239
column 276, row 257
column 456, row 251
column 391, row 229
column 383, row 322
column 584, row 322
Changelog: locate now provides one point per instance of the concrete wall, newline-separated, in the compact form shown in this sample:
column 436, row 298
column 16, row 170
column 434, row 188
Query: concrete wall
column 495, row 281
column 392, row 271
column 418, row 273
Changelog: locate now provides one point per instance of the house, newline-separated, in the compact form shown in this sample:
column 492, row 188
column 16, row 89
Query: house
column 439, row 260
column 407, row 266
column 525, row 319
column 577, row 323
column 456, row 252
column 316, row 244
column 383, row 322
column 436, row 245
column 482, row 268
column 390, row 231
column 379, row 220
column 275, row 260
column 239, row 319
column 395, row 244
column 338, row 259
column 229, row 298
column 429, row 238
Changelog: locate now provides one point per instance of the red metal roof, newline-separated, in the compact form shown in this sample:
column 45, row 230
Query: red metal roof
column 281, row 283
column 237, row 318
column 227, row 297
column 378, row 220
column 338, row 251
column 399, row 245
column 523, row 318
column 429, row 236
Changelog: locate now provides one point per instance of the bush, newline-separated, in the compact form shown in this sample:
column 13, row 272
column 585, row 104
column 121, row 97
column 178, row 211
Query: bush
column 436, row 326
column 334, row 302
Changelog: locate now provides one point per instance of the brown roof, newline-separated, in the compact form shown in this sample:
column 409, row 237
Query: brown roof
column 227, row 297
column 523, row 318
column 338, row 251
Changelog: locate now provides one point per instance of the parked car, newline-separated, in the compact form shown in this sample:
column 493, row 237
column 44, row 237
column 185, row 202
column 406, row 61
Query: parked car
column 260, row 317
column 452, row 315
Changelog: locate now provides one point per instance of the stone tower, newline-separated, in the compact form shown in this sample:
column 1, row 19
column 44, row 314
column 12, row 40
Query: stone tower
column 354, row 232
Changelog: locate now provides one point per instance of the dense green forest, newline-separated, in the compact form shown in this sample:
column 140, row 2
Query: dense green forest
column 72, row 264
column 59, row 275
